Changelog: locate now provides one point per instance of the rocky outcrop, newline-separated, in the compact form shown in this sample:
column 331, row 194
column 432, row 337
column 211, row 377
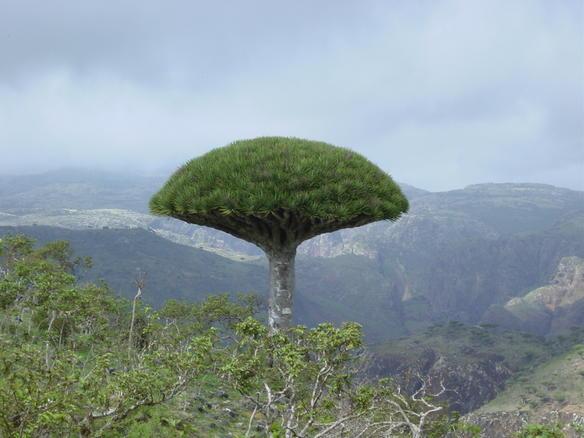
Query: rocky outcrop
column 550, row 309
column 469, row 385
column 456, row 255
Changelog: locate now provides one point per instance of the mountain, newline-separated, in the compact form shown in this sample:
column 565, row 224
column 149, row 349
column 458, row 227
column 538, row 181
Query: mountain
column 457, row 255
column 473, row 362
column 508, row 208
column 77, row 189
column 549, row 309
column 327, row 289
column 550, row 393
column 445, row 260
column 172, row 270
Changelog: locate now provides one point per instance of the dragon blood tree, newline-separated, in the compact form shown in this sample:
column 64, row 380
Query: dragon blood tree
column 277, row 192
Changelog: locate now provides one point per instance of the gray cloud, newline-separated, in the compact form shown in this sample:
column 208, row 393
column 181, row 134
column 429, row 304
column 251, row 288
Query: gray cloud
column 439, row 93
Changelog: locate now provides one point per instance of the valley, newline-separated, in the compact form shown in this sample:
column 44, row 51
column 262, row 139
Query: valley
column 481, row 287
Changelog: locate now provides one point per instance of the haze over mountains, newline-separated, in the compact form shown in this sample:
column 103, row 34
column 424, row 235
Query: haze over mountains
column 458, row 255
column 472, row 286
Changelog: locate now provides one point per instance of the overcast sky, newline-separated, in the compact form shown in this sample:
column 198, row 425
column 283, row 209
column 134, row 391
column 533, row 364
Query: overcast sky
column 440, row 94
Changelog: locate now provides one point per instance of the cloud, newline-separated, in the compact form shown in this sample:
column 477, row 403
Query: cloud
column 441, row 94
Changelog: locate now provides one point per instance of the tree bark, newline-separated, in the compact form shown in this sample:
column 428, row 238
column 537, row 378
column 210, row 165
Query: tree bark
column 281, row 288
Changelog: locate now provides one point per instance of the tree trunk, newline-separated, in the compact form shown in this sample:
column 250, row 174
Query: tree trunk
column 281, row 288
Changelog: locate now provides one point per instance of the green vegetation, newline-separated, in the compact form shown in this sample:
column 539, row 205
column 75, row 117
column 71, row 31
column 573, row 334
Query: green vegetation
column 468, row 344
column 316, row 182
column 482, row 363
column 329, row 289
column 277, row 192
column 555, row 384
column 541, row 431
column 73, row 364
column 173, row 271
column 67, row 365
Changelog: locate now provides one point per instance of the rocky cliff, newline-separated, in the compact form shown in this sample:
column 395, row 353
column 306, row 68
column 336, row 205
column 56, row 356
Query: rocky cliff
column 456, row 255
column 550, row 309
column 473, row 362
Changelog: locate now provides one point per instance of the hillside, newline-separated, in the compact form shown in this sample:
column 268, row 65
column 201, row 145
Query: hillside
column 458, row 255
column 474, row 362
column 556, row 385
column 173, row 271
column 550, row 309
column 327, row 289
column 77, row 189
column 551, row 392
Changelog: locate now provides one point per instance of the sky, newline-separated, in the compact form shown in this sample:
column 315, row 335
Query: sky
column 440, row 94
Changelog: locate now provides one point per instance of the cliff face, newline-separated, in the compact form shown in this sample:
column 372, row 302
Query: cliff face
column 469, row 384
column 550, row 309
column 457, row 255
column 473, row 362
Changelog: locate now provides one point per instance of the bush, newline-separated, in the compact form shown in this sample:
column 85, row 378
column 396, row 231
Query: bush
column 541, row 431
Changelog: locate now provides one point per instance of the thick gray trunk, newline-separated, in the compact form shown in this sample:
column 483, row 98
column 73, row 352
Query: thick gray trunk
column 281, row 289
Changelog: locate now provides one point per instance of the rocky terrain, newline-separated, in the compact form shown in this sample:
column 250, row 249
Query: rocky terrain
column 550, row 309
column 121, row 219
column 473, row 362
column 458, row 255
column 480, row 288
column 550, row 393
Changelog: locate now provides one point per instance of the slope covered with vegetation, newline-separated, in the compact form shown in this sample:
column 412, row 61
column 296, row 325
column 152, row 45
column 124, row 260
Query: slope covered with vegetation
column 77, row 361
column 556, row 385
column 458, row 255
column 549, row 393
column 173, row 271
column 475, row 362
column 328, row 289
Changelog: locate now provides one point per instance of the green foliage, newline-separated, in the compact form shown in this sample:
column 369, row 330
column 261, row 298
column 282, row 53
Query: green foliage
column 67, row 367
column 296, row 357
column 452, row 425
column 541, row 431
column 304, row 383
column 65, row 362
column 268, row 176
column 546, row 386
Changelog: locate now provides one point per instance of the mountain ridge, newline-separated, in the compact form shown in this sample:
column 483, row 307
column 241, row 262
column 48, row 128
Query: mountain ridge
column 459, row 256
column 453, row 256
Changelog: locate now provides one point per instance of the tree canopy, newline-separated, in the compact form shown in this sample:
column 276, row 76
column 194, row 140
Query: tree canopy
column 272, row 190
column 69, row 365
